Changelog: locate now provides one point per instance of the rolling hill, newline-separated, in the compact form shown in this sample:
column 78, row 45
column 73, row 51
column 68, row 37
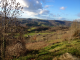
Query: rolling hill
column 40, row 22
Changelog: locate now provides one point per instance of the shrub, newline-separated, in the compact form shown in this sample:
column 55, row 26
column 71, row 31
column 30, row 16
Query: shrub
column 15, row 50
column 75, row 29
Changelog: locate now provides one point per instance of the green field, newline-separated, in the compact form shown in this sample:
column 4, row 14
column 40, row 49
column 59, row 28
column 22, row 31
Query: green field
column 32, row 28
column 31, row 34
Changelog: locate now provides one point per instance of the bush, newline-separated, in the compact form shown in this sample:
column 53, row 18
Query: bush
column 15, row 50
column 75, row 29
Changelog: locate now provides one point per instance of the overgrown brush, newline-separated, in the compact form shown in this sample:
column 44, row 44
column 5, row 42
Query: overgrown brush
column 74, row 31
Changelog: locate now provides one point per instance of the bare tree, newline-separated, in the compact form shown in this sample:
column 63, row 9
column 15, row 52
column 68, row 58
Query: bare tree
column 9, row 10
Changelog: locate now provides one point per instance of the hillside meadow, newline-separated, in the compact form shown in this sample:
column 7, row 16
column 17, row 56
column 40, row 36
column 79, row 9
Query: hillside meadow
column 43, row 43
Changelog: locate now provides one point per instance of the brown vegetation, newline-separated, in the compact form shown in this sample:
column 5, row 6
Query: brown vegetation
column 36, row 45
column 15, row 50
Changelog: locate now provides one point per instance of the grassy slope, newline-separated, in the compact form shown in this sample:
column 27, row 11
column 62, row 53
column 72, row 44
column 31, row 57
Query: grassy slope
column 53, row 50
column 57, row 49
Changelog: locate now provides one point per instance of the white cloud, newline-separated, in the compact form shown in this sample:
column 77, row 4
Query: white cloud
column 44, row 12
column 77, row 19
column 58, row 15
column 31, row 5
column 34, row 7
column 52, row 15
column 61, row 18
column 37, row 13
column 78, row 14
column 37, row 2
column 22, row 3
column 31, row 13
column 47, row 6
column 62, row 8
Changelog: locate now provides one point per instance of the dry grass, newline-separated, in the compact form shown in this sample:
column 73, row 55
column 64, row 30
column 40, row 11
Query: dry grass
column 65, row 37
column 40, row 41
column 36, row 45
column 66, row 56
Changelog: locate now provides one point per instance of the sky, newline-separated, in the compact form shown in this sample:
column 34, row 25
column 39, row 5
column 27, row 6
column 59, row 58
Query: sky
column 51, row 9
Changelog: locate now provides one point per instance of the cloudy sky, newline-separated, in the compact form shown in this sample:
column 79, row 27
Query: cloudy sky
column 51, row 9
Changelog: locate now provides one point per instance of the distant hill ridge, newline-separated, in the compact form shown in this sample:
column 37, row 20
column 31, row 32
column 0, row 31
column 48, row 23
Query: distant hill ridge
column 40, row 22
